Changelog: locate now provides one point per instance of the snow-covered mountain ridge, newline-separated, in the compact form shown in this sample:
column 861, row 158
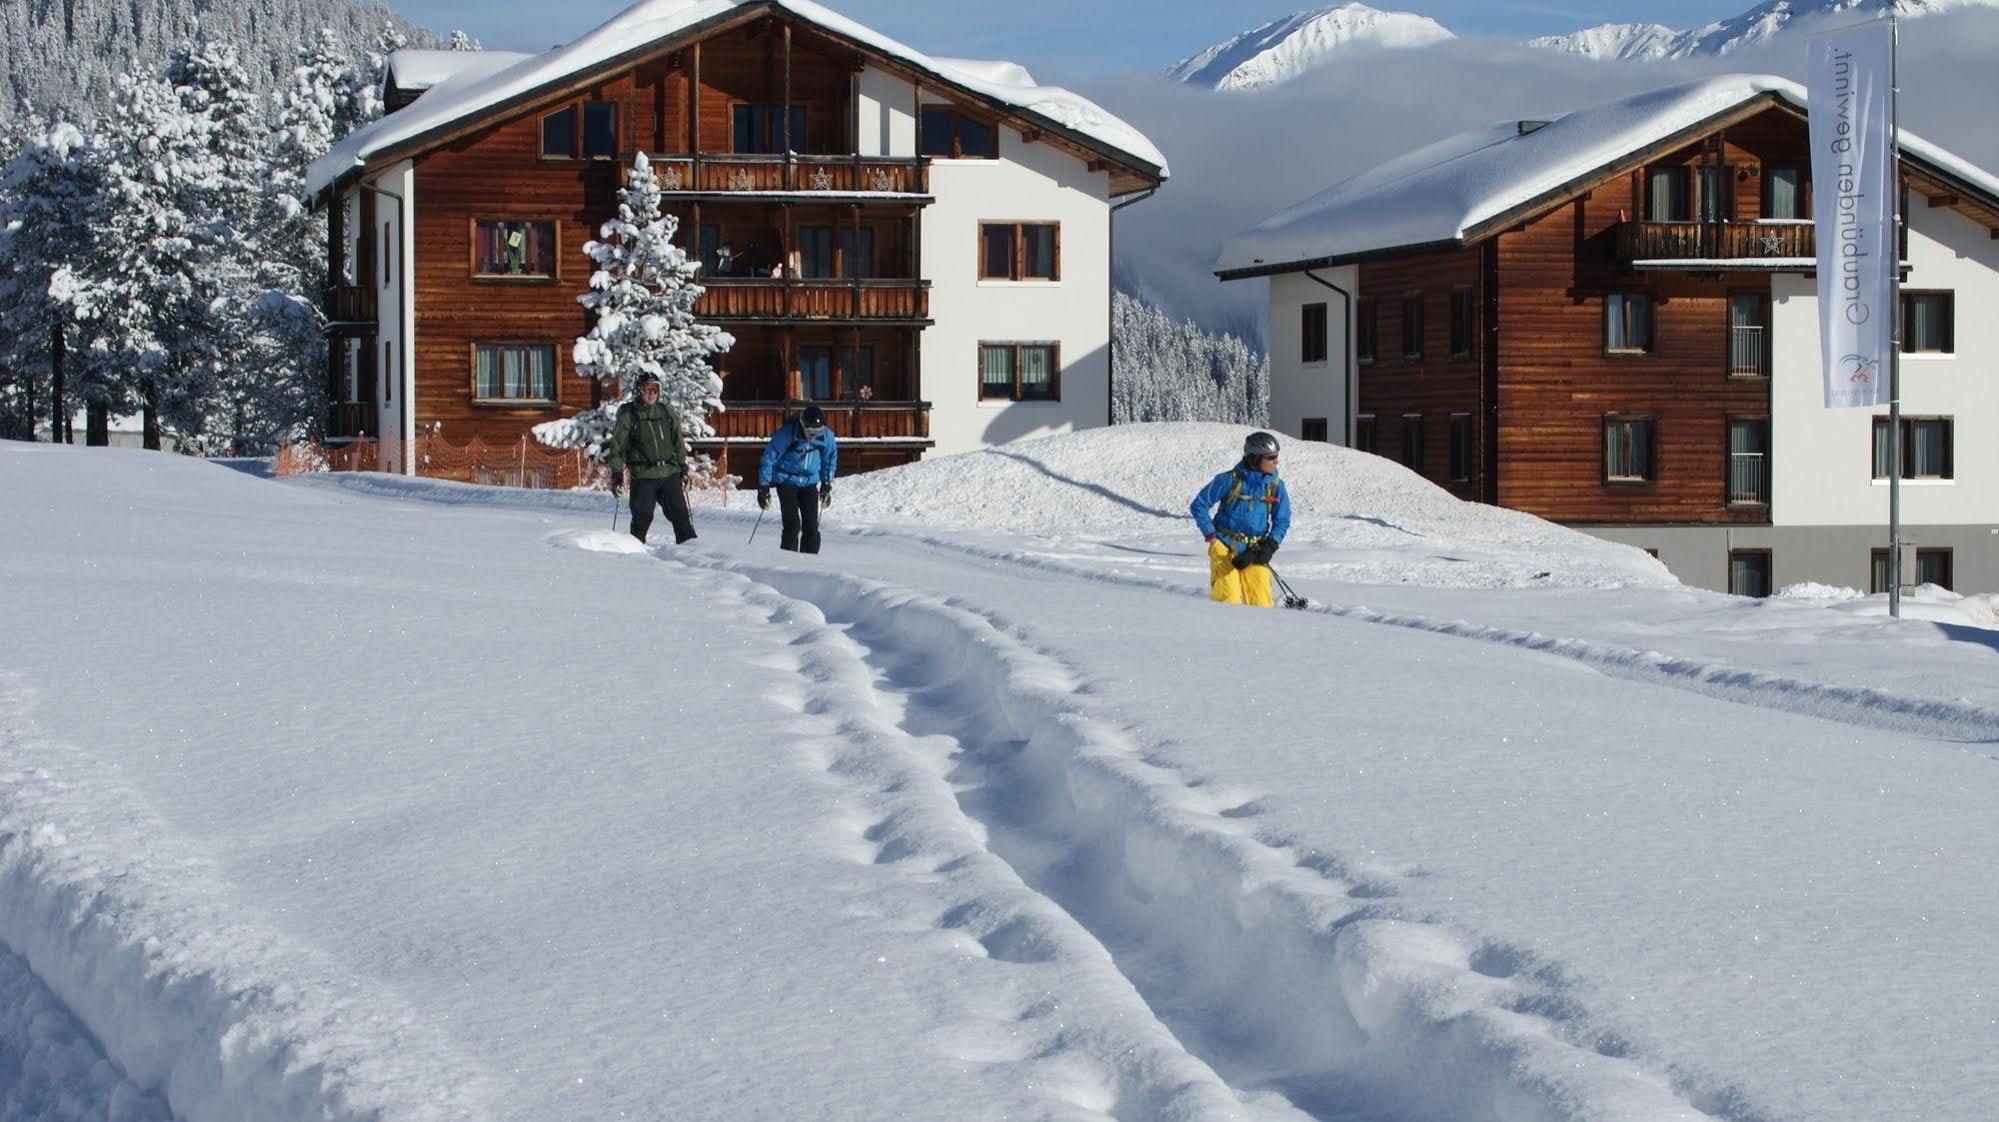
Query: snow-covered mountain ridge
column 1285, row 48
column 1288, row 48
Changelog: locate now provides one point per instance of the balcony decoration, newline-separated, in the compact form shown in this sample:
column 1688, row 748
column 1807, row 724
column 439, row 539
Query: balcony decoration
column 740, row 180
column 670, row 178
column 881, row 180
column 822, row 179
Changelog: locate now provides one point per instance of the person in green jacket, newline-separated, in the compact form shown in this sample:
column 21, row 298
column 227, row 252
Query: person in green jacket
column 646, row 437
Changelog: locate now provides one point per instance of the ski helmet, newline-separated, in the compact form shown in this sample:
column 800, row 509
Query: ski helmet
column 1259, row 445
column 644, row 381
column 813, row 418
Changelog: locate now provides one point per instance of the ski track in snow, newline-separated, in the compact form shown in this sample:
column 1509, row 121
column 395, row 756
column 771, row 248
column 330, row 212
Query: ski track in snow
column 1933, row 718
column 1274, row 972
column 150, row 982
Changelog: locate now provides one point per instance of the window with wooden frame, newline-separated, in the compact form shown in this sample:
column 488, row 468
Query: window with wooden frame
column 1784, row 194
column 759, row 129
column 1627, row 323
column 1412, row 326
column 1749, row 572
column 1020, row 372
column 1749, row 334
column 1461, row 447
column 514, row 373
column 1412, row 442
column 583, row 128
column 1927, row 451
column 1020, row 251
column 1312, row 333
column 1716, row 186
column 514, row 249
column 1928, row 326
column 1666, row 195
column 1627, row 449
column 1366, row 331
column 1363, row 433
column 951, row 133
column 1463, row 321
column 1313, row 428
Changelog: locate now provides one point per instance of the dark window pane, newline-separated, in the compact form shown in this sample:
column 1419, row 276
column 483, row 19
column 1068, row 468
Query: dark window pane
column 747, row 133
column 797, row 138
column 600, row 130
column 937, row 132
column 976, row 138
column 1926, row 322
column 996, row 260
column 1314, row 429
column 1933, row 567
column 1412, row 327
column 815, row 373
column 1366, row 332
column 558, row 133
column 1312, row 345
column 1412, row 443
column 1363, row 434
column 857, row 251
column 815, row 251
column 1749, row 574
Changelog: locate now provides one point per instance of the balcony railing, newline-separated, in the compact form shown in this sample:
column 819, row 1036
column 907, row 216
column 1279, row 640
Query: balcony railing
column 1749, row 352
column 1748, row 477
column 738, row 298
column 875, row 175
column 353, row 304
column 348, row 420
column 849, row 420
column 1715, row 241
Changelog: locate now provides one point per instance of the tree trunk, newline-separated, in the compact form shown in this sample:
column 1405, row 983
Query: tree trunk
column 97, row 424
column 149, row 417
column 59, row 422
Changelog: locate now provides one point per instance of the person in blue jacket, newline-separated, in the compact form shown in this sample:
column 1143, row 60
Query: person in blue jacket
column 1244, row 513
column 799, row 463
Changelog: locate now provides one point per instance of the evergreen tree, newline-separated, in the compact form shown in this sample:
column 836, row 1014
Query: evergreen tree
column 46, row 192
column 463, row 42
column 1168, row 371
column 643, row 292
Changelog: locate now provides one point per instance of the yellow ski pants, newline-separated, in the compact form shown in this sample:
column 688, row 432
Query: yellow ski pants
column 1248, row 585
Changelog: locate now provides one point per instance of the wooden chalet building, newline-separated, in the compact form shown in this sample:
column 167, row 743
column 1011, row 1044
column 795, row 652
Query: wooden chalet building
column 919, row 245
column 1610, row 320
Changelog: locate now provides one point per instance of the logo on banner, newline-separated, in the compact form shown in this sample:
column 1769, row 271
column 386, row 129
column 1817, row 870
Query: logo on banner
column 1859, row 370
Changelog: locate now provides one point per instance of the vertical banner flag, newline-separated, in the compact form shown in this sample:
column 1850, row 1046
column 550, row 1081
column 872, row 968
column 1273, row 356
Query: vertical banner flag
column 1851, row 74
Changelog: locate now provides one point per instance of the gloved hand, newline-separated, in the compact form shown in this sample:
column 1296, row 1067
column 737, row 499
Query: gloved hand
column 826, row 494
column 763, row 498
column 1244, row 558
column 617, row 483
column 1265, row 550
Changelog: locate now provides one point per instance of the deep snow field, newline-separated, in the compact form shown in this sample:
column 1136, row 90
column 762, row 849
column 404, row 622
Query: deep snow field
column 352, row 797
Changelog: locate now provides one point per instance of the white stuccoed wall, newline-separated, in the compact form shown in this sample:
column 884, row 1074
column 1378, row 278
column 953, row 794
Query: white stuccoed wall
column 1319, row 389
column 1028, row 183
column 1822, row 469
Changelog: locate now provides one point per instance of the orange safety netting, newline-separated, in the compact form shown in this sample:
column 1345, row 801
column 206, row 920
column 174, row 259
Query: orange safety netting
column 521, row 463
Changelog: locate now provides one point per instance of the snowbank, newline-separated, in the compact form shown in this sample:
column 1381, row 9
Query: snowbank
column 1356, row 515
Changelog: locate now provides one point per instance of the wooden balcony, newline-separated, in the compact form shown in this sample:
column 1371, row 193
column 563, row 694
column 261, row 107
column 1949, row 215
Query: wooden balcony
column 348, row 420
column 1753, row 244
column 351, row 310
column 730, row 299
column 799, row 175
column 850, row 420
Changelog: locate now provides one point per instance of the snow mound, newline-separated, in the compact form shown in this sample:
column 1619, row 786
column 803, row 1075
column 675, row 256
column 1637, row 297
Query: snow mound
column 597, row 541
column 1367, row 518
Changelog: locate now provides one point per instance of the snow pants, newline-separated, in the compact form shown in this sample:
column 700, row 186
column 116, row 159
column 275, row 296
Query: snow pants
column 800, row 508
column 670, row 495
column 1248, row 585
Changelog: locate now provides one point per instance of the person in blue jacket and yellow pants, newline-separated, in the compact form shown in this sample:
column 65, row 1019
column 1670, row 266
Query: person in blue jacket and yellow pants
column 1244, row 513
column 800, row 462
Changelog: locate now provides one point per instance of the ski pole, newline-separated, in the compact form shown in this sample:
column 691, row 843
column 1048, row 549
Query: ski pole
column 614, row 508
column 758, row 526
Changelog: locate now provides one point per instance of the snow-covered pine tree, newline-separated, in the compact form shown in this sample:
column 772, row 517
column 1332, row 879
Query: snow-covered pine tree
column 1168, row 371
column 643, row 292
column 326, row 98
column 47, row 190
column 463, row 42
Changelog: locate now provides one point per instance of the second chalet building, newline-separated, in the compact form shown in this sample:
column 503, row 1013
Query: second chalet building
column 1610, row 320
column 922, row 246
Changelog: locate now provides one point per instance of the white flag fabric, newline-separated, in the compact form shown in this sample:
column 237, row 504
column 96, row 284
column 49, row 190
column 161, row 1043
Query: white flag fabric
column 1851, row 75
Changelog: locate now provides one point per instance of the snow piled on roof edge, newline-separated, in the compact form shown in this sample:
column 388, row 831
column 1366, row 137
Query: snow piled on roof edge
column 650, row 21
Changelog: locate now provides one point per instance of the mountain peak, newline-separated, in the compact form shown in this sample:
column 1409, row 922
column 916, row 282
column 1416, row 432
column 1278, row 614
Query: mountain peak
column 1285, row 48
column 1757, row 25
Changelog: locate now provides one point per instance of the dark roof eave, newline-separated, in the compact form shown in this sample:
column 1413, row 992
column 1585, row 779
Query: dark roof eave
column 1414, row 249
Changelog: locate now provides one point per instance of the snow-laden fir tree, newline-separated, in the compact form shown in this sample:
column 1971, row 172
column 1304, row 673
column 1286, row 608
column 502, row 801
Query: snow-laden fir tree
column 463, row 42
column 326, row 98
column 47, row 191
column 643, row 292
column 1169, row 371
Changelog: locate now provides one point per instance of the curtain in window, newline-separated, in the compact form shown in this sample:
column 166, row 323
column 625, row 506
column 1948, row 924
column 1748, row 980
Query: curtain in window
column 1927, row 456
column 1037, row 371
column 1715, row 200
column 1883, row 464
column 1925, row 326
column 815, row 373
column 541, row 248
column 996, row 372
column 1664, row 189
column 1787, row 195
column 1625, row 328
column 541, row 373
column 489, row 372
column 1040, row 251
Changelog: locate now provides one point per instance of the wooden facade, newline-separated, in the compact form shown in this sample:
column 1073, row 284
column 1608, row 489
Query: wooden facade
column 1543, row 377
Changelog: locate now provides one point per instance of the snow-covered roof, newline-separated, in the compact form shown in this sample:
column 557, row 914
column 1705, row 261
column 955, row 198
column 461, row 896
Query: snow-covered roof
column 470, row 92
column 1439, row 194
column 423, row 70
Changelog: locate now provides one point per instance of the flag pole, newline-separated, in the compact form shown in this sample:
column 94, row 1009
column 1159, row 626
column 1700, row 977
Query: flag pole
column 1895, row 349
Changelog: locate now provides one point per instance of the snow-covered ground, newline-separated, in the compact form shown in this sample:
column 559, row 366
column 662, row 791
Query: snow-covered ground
column 361, row 797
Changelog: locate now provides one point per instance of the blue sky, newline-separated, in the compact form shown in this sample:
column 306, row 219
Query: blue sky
column 1076, row 36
